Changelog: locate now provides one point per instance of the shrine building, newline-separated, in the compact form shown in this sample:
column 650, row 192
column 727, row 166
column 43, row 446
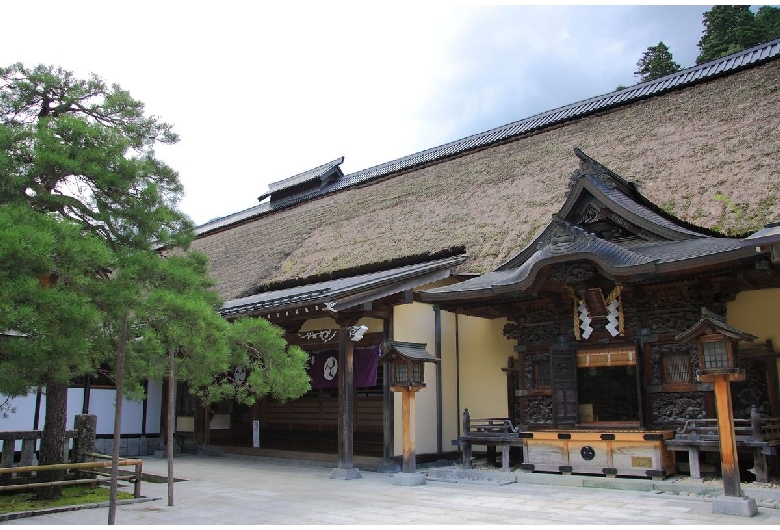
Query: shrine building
column 550, row 265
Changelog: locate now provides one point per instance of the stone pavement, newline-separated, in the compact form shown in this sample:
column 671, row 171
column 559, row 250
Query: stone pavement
column 228, row 490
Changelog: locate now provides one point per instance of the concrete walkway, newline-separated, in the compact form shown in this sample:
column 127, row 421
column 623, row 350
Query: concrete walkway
column 227, row 490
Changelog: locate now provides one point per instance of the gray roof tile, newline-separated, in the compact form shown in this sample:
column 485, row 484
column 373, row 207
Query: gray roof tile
column 333, row 290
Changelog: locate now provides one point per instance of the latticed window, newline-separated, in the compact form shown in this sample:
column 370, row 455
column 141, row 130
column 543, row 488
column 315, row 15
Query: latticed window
column 402, row 373
column 541, row 373
column 417, row 372
column 677, row 368
column 716, row 354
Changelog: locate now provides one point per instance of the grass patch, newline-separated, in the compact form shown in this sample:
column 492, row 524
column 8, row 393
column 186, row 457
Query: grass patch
column 71, row 495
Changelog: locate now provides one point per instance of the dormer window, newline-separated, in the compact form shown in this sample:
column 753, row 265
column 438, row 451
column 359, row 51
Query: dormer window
column 304, row 183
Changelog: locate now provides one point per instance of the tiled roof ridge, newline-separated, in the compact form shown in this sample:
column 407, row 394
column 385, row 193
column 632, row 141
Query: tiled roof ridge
column 305, row 175
column 684, row 78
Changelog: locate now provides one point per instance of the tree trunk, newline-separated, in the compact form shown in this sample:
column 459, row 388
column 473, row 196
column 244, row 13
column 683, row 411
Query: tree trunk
column 170, row 428
column 163, row 416
column 120, row 378
column 53, row 438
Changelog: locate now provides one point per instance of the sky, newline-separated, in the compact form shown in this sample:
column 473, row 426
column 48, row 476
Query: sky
column 259, row 92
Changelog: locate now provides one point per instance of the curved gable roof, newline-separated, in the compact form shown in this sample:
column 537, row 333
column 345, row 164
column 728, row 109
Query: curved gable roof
column 669, row 245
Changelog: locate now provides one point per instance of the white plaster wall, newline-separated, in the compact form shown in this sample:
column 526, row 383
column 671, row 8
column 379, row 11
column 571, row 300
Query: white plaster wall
column 154, row 400
column 415, row 323
column 22, row 419
column 101, row 403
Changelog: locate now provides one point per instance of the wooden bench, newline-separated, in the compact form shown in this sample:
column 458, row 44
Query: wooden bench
column 491, row 432
column 757, row 434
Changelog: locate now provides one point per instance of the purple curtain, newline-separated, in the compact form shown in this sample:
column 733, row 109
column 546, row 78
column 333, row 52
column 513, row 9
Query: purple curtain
column 324, row 367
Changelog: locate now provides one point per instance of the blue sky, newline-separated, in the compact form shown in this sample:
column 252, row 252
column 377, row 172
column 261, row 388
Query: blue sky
column 260, row 93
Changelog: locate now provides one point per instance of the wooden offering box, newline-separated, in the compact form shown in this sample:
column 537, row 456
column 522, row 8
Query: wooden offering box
column 612, row 453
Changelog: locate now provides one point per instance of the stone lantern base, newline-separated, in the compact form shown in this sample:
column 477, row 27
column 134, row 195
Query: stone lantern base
column 409, row 479
column 741, row 506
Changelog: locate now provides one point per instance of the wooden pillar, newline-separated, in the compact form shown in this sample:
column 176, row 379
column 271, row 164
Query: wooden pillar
column 207, row 424
column 437, row 353
column 760, row 468
column 407, row 411
column 388, row 410
column 346, row 397
column 773, row 392
column 37, row 413
column 87, row 388
column 346, row 420
column 728, row 440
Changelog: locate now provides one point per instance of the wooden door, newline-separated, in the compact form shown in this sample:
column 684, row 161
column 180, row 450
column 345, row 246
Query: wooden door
column 563, row 370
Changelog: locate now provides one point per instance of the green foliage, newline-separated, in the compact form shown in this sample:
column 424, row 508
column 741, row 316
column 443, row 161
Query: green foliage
column 729, row 29
column 84, row 208
column 71, row 496
column 657, row 61
column 272, row 366
column 50, row 274
column 85, row 150
column 174, row 309
column 768, row 20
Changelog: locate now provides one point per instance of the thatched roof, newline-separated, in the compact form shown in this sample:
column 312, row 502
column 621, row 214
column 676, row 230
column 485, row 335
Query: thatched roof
column 608, row 223
column 707, row 152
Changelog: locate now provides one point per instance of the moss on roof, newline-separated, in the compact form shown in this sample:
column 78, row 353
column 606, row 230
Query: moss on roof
column 709, row 154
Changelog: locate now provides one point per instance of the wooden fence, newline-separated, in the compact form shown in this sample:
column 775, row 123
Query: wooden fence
column 18, row 470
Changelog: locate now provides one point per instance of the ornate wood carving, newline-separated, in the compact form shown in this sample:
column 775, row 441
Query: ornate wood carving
column 590, row 213
column 673, row 322
column 752, row 391
column 633, row 324
column 543, row 315
column 539, row 311
column 569, row 274
column 531, row 334
column 657, row 352
column 538, row 409
column 563, row 368
column 672, row 409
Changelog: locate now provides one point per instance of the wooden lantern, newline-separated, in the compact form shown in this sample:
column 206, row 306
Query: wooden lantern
column 406, row 361
column 717, row 345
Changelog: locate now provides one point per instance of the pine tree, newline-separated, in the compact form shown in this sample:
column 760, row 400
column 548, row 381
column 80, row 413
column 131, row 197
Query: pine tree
column 657, row 61
column 84, row 206
column 727, row 30
column 768, row 20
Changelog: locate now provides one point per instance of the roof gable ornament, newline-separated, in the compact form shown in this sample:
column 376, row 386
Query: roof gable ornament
column 590, row 167
column 562, row 236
